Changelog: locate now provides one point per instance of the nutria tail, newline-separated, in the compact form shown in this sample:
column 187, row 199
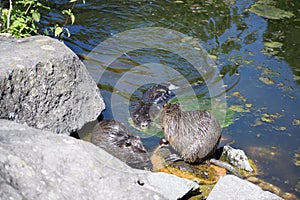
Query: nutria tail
column 225, row 165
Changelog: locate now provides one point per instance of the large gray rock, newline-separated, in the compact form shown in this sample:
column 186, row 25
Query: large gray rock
column 36, row 164
column 45, row 85
column 232, row 187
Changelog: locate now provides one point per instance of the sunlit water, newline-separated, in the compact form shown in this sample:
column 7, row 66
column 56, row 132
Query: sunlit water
column 263, row 81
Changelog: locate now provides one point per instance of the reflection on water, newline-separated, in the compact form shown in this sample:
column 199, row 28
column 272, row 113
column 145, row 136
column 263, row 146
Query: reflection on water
column 265, row 78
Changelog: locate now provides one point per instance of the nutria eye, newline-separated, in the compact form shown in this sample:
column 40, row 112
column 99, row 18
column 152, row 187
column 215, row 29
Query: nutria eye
column 127, row 144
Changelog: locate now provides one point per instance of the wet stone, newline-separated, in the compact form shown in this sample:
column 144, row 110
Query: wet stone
column 236, row 157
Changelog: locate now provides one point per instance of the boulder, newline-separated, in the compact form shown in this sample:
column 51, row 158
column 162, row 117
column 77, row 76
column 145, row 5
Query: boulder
column 232, row 187
column 44, row 84
column 37, row 164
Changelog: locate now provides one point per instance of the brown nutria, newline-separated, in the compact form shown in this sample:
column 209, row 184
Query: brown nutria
column 150, row 104
column 195, row 135
column 115, row 138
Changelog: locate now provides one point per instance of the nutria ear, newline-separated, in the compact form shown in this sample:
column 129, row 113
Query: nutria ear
column 135, row 115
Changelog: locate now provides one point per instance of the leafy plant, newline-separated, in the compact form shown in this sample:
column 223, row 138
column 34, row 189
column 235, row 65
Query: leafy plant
column 59, row 31
column 21, row 18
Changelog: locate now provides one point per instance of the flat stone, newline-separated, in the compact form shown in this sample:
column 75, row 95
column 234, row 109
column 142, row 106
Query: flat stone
column 44, row 84
column 37, row 164
column 232, row 187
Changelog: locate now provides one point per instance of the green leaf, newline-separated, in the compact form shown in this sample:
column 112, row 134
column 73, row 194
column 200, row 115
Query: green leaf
column 67, row 12
column 58, row 31
column 72, row 17
column 36, row 16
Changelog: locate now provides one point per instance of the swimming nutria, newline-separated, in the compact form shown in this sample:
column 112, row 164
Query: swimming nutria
column 150, row 105
column 195, row 135
column 115, row 138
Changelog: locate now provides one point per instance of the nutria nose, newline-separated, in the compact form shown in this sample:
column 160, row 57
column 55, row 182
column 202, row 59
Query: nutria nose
column 144, row 125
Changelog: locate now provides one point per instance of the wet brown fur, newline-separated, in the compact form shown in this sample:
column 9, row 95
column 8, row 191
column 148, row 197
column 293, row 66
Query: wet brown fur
column 116, row 139
column 195, row 135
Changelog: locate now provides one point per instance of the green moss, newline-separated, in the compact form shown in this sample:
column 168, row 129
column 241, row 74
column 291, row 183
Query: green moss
column 205, row 191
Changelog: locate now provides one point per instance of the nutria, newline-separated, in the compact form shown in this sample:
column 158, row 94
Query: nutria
column 195, row 135
column 149, row 106
column 115, row 138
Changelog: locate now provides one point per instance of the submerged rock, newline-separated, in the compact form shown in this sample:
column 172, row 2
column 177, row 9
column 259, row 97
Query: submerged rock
column 37, row 164
column 44, row 84
column 272, row 188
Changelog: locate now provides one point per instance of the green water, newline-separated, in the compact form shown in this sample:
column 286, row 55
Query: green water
column 260, row 77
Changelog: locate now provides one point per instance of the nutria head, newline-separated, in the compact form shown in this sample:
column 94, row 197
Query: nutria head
column 149, row 105
column 143, row 116
column 195, row 135
column 115, row 138
column 168, row 119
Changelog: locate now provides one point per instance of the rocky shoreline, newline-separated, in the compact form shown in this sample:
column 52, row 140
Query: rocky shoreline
column 46, row 94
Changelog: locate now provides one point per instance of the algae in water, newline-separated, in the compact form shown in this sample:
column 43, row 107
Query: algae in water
column 269, row 11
